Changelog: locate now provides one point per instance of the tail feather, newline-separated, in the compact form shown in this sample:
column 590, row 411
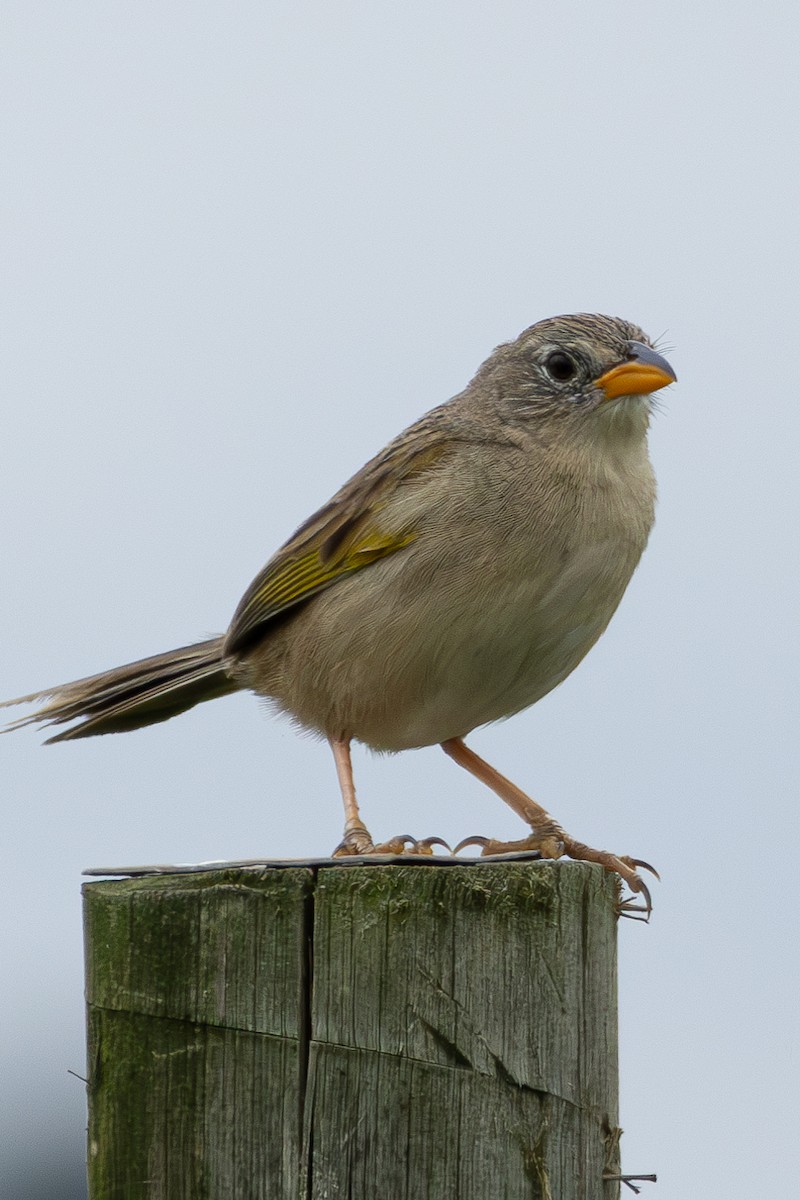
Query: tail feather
column 140, row 693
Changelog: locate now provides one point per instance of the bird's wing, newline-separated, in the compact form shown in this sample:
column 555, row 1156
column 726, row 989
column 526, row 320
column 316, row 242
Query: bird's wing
column 343, row 536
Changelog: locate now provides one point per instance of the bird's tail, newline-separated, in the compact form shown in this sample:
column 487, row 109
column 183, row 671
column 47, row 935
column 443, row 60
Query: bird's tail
column 140, row 693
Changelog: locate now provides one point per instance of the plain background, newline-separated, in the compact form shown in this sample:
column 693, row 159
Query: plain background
column 243, row 245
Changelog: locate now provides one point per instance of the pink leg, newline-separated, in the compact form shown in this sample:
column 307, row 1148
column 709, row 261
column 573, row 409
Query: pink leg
column 357, row 838
column 548, row 837
column 550, row 832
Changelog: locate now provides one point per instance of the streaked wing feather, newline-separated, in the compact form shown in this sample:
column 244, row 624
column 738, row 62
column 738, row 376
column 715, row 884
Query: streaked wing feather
column 342, row 537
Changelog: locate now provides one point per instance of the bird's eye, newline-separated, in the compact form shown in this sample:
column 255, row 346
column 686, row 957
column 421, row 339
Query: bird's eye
column 560, row 366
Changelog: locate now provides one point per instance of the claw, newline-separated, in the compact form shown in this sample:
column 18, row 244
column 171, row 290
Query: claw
column 632, row 911
column 639, row 862
column 627, row 907
column 546, row 845
column 395, row 845
column 358, row 842
column 470, row 841
column 425, row 846
column 406, row 844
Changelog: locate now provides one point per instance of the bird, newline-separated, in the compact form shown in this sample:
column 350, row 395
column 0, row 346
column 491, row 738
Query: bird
column 453, row 581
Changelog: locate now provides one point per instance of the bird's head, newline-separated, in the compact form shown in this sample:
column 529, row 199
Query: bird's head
column 580, row 372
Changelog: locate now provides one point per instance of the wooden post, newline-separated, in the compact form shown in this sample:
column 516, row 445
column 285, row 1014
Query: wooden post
column 381, row 1032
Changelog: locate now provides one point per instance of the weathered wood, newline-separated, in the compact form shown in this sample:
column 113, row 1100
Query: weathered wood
column 376, row 1032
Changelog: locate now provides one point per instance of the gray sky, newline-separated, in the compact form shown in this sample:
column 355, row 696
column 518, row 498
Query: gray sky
column 246, row 243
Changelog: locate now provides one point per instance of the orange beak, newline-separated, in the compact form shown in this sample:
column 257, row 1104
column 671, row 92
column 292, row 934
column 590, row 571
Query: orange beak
column 644, row 372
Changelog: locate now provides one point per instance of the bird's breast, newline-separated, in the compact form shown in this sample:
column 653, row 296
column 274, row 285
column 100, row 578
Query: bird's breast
column 481, row 616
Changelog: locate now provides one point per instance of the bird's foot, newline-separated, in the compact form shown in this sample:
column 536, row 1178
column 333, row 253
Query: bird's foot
column 552, row 841
column 359, row 842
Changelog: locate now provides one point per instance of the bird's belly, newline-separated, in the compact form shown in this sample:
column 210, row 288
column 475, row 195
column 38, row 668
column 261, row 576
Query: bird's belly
column 397, row 668
column 499, row 666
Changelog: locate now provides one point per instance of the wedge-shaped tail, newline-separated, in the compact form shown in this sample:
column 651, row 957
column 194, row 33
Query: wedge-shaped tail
column 140, row 693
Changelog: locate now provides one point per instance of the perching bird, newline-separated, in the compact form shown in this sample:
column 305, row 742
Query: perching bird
column 456, row 579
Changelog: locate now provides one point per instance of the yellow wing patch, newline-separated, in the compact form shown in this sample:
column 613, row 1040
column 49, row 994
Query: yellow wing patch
column 297, row 580
column 343, row 537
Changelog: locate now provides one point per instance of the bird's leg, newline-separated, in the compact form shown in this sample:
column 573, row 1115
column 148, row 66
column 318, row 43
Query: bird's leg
column 548, row 837
column 549, row 833
column 357, row 838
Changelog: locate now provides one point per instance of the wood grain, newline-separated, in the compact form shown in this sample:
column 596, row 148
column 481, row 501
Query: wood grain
column 371, row 1032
